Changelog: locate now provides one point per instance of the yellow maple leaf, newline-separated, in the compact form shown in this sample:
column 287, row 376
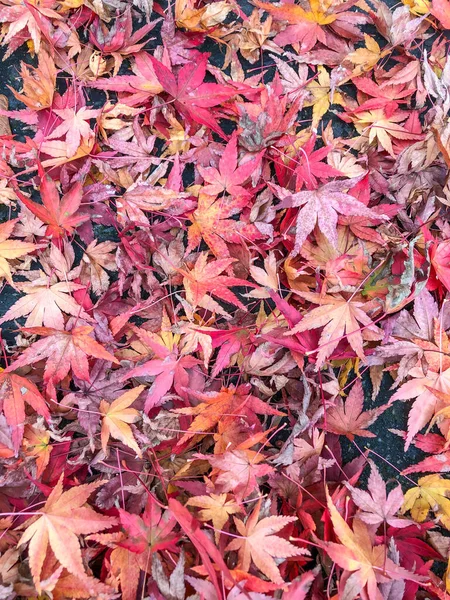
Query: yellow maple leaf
column 216, row 508
column 11, row 249
column 321, row 95
column 432, row 493
column 116, row 419
column 418, row 7
column 366, row 58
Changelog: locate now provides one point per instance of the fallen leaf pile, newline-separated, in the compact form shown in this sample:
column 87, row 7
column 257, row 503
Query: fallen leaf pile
column 225, row 285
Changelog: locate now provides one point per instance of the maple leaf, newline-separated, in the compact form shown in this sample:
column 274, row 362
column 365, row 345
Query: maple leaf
column 138, row 87
column 63, row 351
column 431, row 493
column 116, row 418
column 368, row 565
column 44, row 304
column 294, row 83
column 38, row 83
column 139, row 154
column 15, row 391
column 58, row 524
column 322, row 207
column 309, row 166
column 202, row 543
column 421, row 387
column 350, row 418
column 36, row 443
column 200, row 19
column 238, row 471
column 376, row 505
column 441, row 10
column 60, row 216
column 211, row 222
column 126, row 570
column 151, row 532
column 75, row 127
column 322, row 96
column 192, row 96
column 25, row 21
column 97, row 258
column 145, row 197
column 119, row 41
column 310, row 26
column 439, row 254
column 339, row 318
column 229, row 177
column 205, row 279
column 367, row 57
column 229, row 403
column 169, row 369
column 216, row 508
column 382, row 124
column 260, row 546
column 11, row 249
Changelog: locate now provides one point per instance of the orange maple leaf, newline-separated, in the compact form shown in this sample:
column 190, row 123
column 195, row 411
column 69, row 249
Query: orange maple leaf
column 38, row 83
column 11, row 249
column 205, row 280
column 36, row 443
column 58, row 524
column 116, row 419
column 211, row 222
column 232, row 403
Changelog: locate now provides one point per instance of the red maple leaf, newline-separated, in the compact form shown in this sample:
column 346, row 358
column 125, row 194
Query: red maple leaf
column 192, row 96
column 60, row 215
column 168, row 368
column 63, row 351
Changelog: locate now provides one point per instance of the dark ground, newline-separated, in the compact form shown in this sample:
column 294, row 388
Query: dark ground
column 387, row 445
